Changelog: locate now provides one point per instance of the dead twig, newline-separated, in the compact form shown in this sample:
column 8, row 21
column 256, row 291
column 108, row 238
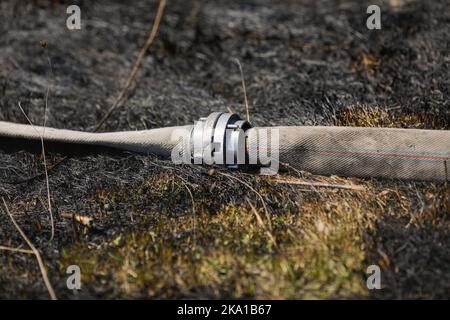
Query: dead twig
column 44, row 159
column 136, row 65
column 35, row 252
column 321, row 184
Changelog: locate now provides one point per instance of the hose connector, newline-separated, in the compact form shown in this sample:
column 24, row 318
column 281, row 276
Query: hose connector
column 219, row 139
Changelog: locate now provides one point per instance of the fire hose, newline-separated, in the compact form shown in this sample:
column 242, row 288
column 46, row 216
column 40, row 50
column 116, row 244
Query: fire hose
column 225, row 139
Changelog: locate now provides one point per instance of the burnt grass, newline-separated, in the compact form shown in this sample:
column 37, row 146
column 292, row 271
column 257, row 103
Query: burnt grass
column 166, row 231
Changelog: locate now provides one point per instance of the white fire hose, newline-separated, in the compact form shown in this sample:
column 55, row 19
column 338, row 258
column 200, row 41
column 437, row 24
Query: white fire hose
column 225, row 139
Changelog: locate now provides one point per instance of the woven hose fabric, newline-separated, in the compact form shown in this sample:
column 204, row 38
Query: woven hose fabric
column 361, row 152
column 346, row 151
column 155, row 141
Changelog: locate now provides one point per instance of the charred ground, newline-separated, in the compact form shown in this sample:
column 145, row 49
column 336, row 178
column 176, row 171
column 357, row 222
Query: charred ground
column 305, row 63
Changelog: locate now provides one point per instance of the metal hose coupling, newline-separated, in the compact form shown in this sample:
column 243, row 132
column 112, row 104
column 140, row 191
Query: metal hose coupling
column 219, row 139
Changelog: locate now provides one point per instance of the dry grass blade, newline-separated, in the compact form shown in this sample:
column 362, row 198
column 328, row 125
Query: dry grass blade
column 35, row 252
column 20, row 250
column 243, row 88
column 136, row 65
column 47, row 183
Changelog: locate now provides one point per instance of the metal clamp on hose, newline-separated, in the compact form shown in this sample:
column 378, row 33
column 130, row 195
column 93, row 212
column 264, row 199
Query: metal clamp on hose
column 219, row 139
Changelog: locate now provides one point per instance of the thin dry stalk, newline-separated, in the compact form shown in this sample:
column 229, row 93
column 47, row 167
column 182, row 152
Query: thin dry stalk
column 49, row 201
column 47, row 183
column 35, row 252
column 243, row 88
column 20, row 250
